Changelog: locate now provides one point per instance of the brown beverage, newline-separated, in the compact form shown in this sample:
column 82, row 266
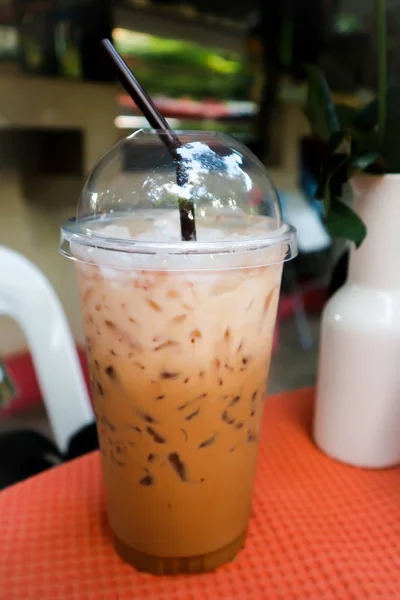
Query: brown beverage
column 179, row 362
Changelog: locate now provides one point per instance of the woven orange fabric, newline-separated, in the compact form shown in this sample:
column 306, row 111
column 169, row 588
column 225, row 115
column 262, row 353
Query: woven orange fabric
column 320, row 530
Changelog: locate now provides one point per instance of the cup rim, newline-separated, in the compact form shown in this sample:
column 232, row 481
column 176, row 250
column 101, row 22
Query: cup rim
column 74, row 231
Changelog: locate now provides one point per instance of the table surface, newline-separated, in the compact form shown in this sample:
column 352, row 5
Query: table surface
column 319, row 530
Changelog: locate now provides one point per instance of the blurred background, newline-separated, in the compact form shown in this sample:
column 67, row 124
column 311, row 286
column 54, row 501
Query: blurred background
column 219, row 65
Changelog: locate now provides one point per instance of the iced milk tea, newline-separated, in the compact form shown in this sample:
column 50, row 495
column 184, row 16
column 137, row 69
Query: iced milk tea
column 179, row 363
column 179, row 333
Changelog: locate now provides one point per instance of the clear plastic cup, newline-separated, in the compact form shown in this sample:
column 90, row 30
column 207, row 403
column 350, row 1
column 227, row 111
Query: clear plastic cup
column 179, row 337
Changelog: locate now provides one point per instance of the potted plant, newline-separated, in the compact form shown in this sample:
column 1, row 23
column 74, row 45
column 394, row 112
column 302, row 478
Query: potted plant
column 357, row 417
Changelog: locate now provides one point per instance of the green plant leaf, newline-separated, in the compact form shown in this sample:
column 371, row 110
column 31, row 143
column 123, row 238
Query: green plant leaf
column 334, row 170
column 320, row 108
column 343, row 222
column 327, row 200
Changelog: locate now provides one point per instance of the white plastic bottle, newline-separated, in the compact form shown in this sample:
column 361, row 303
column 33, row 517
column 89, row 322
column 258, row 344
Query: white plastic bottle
column 357, row 417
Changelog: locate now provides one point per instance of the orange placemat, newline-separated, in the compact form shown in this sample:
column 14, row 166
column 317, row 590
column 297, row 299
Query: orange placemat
column 320, row 530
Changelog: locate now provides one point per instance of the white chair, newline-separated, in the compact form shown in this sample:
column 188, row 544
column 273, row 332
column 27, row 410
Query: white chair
column 27, row 296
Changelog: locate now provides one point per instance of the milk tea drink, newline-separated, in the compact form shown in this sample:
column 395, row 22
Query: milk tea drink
column 179, row 346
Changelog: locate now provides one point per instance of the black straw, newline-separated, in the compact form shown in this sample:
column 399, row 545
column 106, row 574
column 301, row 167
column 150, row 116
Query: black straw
column 167, row 135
